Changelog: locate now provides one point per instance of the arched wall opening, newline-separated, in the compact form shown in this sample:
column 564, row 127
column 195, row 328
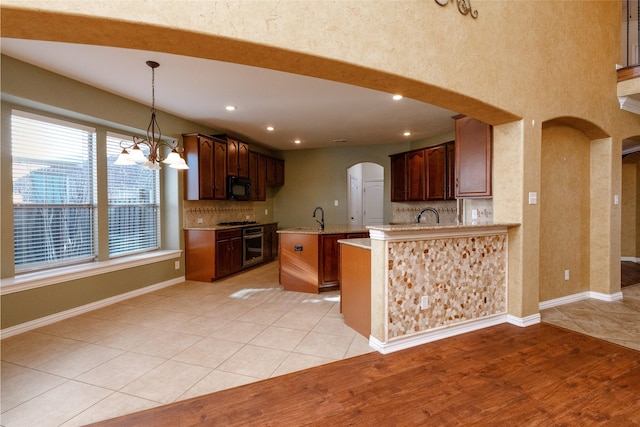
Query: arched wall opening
column 575, row 241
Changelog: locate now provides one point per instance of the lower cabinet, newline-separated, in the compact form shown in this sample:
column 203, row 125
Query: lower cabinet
column 228, row 252
column 213, row 254
column 311, row 262
column 270, row 246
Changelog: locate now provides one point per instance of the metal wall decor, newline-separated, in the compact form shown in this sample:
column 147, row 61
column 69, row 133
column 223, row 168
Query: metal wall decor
column 464, row 6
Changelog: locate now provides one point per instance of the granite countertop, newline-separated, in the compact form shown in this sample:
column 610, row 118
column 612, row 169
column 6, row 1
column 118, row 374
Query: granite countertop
column 328, row 229
column 359, row 243
column 451, row 226
column 228, row 227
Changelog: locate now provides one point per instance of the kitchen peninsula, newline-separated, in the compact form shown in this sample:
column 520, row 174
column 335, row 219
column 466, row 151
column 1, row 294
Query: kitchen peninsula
column 429, row 282
column 310, row 257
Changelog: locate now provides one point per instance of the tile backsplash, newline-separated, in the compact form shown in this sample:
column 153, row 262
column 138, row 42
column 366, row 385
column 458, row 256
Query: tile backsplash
column 209, row 213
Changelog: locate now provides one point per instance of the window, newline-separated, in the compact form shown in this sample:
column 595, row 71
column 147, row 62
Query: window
column 53, row 191
column 134, row 208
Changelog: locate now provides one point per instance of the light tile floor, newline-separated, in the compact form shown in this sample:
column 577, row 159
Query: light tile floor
column 175, row 343
column 617, row 322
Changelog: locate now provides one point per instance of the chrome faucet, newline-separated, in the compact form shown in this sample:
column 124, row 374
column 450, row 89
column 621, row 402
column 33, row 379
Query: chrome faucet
column 428, row 209
column 321, row 222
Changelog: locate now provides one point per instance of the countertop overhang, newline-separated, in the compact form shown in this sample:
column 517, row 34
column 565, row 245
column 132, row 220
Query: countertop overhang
column 422, row 231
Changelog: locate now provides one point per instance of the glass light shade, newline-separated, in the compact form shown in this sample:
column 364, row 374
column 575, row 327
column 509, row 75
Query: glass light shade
column 179, row 164
column 124, row 159
column 172, row 158
column 151, row 165
column 137, row 155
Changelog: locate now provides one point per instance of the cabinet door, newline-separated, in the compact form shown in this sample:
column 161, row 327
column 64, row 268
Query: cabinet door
column 253, row 175
column 235, row 254
column 473, row 158
column 279, row 172
column 398, row 178
column 232, row 156
column 198, row 179
column 243, row 159
column 415, row 175
column 451, row 171
column 262, row 178
column 436, row 173
column 220, row 170
column 223, row 265
column 275, row 171
column 330, row 253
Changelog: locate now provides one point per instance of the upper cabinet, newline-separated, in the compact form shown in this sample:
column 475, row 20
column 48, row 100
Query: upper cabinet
column 472, row 158
column 207, row 159
column 237, row 156
column 258, row 176
column 275, row 171
column 421, row 175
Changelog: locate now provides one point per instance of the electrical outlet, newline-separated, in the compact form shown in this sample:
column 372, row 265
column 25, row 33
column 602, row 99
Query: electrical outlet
column 266, row 211
column 177, row 265
column 335, row 203
column 474, row 213
column 424, row 302
column 200, row 221
column 566, row 275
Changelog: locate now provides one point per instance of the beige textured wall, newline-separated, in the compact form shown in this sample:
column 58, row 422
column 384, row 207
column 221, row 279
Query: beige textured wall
column 518, row 65
column 564, row 210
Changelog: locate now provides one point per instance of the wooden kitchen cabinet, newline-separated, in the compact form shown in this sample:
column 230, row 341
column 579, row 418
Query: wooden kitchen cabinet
column 258, row 176
column 399, row 177
column 473, row 162
column 237, row 156
column 421, row 175
column 311, row 262
column 436, row 173
column 275, row 171
column 211, row 254
column 207, row 159
column 228, row 252
column 416, row 175
column 270, row 249
column 451, row 171
column 330, row 260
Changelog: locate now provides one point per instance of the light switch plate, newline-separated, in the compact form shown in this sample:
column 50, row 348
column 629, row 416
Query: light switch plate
column 533, row 198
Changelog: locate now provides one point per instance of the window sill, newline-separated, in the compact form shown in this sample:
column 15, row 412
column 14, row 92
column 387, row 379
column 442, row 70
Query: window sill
column 39, row 279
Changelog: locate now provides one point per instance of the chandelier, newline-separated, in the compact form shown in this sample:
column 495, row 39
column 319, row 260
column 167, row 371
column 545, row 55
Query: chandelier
column 132, row 153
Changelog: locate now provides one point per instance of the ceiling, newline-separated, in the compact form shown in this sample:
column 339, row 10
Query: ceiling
column 320, row 113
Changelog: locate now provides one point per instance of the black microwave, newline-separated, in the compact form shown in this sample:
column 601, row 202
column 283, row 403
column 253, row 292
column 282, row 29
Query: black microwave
column 238, row 188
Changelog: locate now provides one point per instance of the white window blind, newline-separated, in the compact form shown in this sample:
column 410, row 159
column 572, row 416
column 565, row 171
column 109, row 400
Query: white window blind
column 134, row 203
column 53, row 191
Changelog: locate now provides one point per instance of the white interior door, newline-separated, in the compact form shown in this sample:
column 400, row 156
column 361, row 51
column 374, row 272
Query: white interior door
column 373, row 202
column 355, row 201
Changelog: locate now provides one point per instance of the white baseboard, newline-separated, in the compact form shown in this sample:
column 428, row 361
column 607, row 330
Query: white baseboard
column 435, row 334
column 47, row 320
column 579, row 297
column 523, row 322
column 630, row 259
column 563, row 300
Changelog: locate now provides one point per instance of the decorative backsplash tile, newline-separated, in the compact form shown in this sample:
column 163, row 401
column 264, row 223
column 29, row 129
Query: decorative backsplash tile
column 406, row 212
column 462, row 279
column 213, row 212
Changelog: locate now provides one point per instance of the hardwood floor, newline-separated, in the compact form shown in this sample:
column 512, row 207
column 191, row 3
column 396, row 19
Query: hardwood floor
column 503, row 375
column 630, row 273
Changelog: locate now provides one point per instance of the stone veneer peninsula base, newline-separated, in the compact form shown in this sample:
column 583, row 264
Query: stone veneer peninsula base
column 430, row 282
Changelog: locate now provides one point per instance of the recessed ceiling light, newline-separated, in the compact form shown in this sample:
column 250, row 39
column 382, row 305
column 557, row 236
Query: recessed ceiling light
column 270, row 128
column 397, row 97
column 407, row 133
column 231, row 108
column 297, row 141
